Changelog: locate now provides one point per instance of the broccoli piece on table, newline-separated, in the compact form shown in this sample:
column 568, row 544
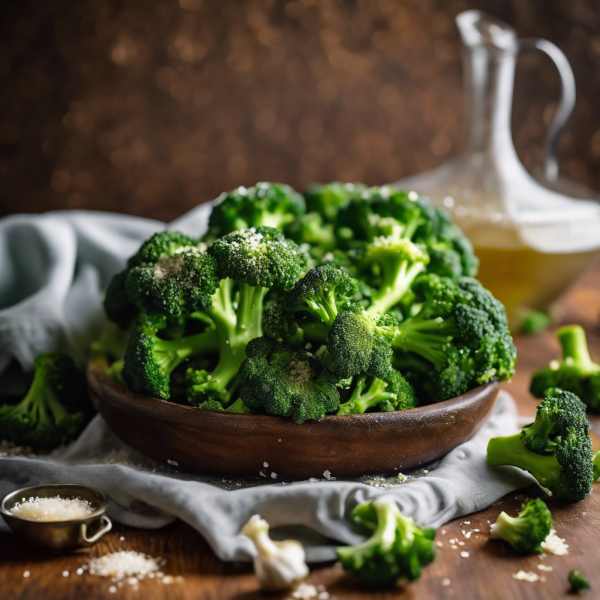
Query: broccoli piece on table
column 534, row 322
column 328, row 198
column 578, row 582
column 556, row 448
column 285, row 381
column 526, row 532
column 266, row 204
column 150, row 360
column 397, row 550
column 174, row 285
column 575, row 372
column 250, row 263
column 55, row 409
column 390, row 394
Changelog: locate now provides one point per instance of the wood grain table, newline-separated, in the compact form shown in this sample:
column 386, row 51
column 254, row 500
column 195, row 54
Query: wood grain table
column 485, row 574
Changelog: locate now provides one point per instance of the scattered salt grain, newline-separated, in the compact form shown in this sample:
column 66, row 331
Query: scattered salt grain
column 79, row 571
column 461, row 543
column 112, row 589
column 266, row 465
column 26, row 573
column 273, row 475
column 467, row 522
column 439, row 544
column 545, row 568
column 402, row 478
column 464, row 554
column 52, row 509
column 168, row 579
column 173, row 462
column 262, row 473
column 555, row 545
column 327, row 475
column 454, row 547
column 425, row 471
column 446, row 581
column 65, row 573
column 526, row 576
column 122, row 538
column 305, row 591
column 279, row 440
column 124, row 564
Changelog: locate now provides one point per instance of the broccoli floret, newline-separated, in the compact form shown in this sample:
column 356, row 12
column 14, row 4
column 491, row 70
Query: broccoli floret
column 359, row 342
column 526, row 532
column 310, row 229
column 285, row 381
column 55, row 409
column 575, row 372
column 556, row 448
column 165, row 243
column 236, row 407
column 250, row 263
column 328, row 198
column 385, row 395
column 150, row 360
column 578, row 582
column 534, row 322
column 398, row 262
column 266, row 204
column 319, row 293
column 398, row 549
column 175, row 285
column 462, row 330
column 119, row 307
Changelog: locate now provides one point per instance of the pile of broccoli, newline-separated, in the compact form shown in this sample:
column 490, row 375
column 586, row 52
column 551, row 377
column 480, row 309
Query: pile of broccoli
column 55, row 409
column 343, row 300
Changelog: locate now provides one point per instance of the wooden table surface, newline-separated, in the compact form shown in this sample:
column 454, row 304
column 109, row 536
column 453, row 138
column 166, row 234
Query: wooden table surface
column 485, row 574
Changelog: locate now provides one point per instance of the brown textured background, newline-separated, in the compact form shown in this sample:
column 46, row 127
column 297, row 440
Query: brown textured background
column 153, row 106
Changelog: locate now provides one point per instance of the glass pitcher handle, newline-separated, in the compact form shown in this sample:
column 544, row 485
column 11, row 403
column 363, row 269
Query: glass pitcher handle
column 565, row 105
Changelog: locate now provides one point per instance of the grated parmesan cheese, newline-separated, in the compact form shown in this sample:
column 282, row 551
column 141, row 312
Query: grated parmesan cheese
column 555, row 545
column 124, row 564
column 52, row 509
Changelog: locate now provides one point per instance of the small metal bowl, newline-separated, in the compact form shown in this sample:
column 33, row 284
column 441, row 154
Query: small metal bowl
column 58, row 536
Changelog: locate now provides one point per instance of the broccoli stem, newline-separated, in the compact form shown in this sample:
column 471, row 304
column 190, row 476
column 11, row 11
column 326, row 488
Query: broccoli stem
column 510, row 450
column 427, row 338
column 574, row 346
column 396, row 280
column 509, row 528
column 237, row 407
column 360, row 402
column 170, row 354
column 324, row 308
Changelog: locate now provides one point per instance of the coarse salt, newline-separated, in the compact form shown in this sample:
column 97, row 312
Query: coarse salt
column 52, row 509
column 123, row 564
column 545, row 568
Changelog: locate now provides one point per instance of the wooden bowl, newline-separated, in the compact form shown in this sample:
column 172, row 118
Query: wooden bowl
column 240, row 444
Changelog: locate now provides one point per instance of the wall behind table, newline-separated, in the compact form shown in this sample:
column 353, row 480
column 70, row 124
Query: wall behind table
column 153, row 106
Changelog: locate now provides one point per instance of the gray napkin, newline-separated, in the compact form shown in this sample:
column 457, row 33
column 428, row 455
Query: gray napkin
column 53, row 269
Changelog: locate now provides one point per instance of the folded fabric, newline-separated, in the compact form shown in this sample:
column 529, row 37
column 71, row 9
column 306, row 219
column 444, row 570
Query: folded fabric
column 146, row 494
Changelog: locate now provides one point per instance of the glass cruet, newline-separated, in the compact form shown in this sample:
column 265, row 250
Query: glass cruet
column 532, row 241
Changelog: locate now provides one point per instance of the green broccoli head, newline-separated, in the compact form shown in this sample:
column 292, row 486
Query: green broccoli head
column 266, row 204
column 526, row 532
column 328, row 198
column 174, row 285
column 556, row 448
column 461, row 330
column 55, row 409
column 150, row 360
column 359, row 342
column 575, row 372
column 578, row 582
column 163, row 243
column 282, row 380
column 393, row 393
column 260, row 257
column 319, row 293
column 397, row 550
